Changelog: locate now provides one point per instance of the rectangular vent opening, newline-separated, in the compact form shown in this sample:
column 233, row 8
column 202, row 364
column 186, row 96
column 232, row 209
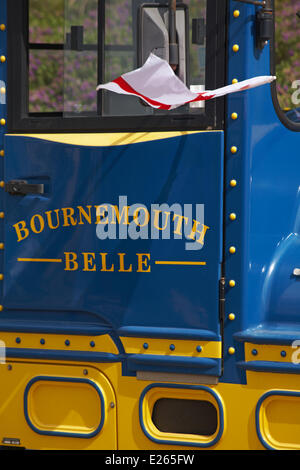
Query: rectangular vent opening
column 179, row 416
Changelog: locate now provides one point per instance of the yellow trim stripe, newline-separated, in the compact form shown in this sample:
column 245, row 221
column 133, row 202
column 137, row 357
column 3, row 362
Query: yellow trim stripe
column 111, row 139
column 271, row 352
column 40, row 260
column 161, row 347
column 57, row 342
column 179, row 263
column 184, row 263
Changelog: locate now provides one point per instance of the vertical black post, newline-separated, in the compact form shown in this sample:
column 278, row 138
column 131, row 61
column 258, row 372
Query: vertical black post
column 173, row 46
column 17, row 89
column 100, row 49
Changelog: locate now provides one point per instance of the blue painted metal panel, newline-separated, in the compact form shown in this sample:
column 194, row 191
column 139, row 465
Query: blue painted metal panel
column 184, row 170
column 170, row 302
column 3, row 74
column 266, row 201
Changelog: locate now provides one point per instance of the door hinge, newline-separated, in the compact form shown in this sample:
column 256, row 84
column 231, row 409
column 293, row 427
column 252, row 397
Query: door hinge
column 22, row 187
column 222, row 299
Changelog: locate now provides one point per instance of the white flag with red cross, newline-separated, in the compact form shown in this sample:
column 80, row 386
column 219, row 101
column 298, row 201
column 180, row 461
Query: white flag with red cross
column 156, row 84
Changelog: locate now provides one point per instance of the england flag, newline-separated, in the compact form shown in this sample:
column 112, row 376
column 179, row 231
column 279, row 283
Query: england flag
column 156, row 84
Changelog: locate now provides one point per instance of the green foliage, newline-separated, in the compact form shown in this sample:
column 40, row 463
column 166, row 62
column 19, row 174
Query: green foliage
column 287, row 49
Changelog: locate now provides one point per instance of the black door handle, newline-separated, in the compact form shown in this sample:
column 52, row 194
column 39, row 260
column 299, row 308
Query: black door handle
column 22, row 187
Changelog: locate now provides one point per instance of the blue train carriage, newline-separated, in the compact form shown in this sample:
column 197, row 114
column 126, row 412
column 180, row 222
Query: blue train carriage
column 149, row 259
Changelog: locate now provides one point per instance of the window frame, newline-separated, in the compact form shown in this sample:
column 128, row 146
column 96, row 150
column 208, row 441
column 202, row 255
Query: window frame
column 19, row 120
column 293, row 126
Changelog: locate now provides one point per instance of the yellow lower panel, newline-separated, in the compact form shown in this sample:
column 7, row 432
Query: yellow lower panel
column 239, row 406
column 54, row 406
column 278, row 419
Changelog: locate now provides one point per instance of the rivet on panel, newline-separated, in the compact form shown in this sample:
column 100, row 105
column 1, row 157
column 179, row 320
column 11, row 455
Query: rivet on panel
column 42, row 341
column 1, row 153
column 1, row 215
column 232, row 216
column 283, row 353
column 67, row 342
column 233, row 183
column 235, row 48
column 1, row 246
column 234, row 116
column 234, row 80
column 232, row 250
column 2, row 184
column 172, row 347
column 2, row 27
column 92, row 344
column 1, row 277
column 232, row 283
column 3, row 58
column 1, row 308
column 231, row 316
column 254, row 352
column 199, row 349
column 18, row 340
column 233, row 149
column 145, row 345
column 231, row 350
column 236, row 13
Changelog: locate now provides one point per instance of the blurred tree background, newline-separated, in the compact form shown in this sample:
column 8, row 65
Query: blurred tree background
column 287, row 49
column 46, row 25
column 62, row 80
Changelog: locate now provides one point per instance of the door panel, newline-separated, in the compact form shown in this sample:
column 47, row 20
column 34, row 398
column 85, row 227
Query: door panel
column 55, row 261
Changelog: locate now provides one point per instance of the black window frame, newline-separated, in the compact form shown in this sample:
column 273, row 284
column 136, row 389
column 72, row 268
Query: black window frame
column 19, row 121
column 293, row 126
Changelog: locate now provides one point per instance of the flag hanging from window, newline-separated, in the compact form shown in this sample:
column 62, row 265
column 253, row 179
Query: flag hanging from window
column 156, row 84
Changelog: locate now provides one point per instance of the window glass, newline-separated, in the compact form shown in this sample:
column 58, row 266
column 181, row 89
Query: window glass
column 287, row 55
column 80, row 76
column 75, row 45
column 46, row 83
column 121, row 52
column 46, row 21
column 197, row 52
column 81, row 57
column 45, row 56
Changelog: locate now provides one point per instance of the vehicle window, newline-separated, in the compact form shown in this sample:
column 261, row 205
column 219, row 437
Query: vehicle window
column 74, row 46
column 64, row 49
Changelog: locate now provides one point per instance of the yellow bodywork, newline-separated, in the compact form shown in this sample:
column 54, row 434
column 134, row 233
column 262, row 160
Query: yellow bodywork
column 71, row 405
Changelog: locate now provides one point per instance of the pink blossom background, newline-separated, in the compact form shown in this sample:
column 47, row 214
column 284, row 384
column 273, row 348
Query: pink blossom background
column 287, row 49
